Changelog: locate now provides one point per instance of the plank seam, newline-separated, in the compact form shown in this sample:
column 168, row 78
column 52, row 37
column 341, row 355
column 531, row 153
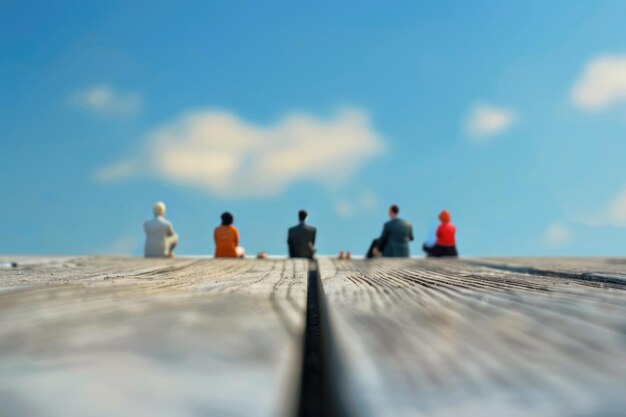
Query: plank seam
column 319, row 386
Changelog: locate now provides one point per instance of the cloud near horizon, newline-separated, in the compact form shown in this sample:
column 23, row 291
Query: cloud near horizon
column 611, row 213
column 558, row 234
column 602, row 84
column 485, row 121
column 617, row 210
column 103, row 100
column 219, row 152
column 367, row 201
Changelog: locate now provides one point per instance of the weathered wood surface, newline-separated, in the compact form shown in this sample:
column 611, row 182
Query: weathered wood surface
column 607, row 270
column 114, row 336
column 450, row 338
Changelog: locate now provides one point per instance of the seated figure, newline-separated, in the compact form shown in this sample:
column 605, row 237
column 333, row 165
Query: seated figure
column 301, row 238
column 161, row 238
column 395, row 238
column 227, row 239
column 445, row 244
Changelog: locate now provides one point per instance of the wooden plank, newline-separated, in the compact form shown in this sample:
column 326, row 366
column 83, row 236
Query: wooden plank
column 606, row 270
column 115, row 336
column 446, row 338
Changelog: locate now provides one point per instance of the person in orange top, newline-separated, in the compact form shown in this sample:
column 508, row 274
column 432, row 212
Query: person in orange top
column 226, row 238
column 446, row 242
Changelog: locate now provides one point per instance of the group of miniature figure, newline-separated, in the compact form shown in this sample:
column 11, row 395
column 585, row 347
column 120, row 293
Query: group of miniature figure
column 161, row 239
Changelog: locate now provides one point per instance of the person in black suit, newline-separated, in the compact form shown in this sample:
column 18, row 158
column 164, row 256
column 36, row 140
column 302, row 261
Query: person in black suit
column 301, row 238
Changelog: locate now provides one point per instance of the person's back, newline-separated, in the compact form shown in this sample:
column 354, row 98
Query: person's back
column 445, row 244
column 396, row 235
column 160, row 236
column 301, row 239
column 226, row 238
column 445, row 235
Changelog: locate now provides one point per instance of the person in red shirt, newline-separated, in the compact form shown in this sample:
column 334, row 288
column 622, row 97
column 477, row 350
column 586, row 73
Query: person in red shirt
column 226, row 238
column 446, row 242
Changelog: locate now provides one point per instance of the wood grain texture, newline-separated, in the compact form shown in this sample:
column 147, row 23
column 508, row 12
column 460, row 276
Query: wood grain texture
column 450, row 338
column 607, row 270
column 130, row 336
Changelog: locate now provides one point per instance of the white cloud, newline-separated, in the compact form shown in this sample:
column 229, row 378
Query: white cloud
column 219, row 152
column 617, row 210
column 344, row 208
column 103, row 100
column 116, row 171
column 369, row 201
column 558, row 234
column 602, row 84
column 485, row 121
column 613, row 213
column 366, row 201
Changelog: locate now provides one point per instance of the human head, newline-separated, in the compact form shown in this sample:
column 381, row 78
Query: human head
column 444, row 216
column 227, row 219
column 302, row 215
column 393, row 211
column 158, row 208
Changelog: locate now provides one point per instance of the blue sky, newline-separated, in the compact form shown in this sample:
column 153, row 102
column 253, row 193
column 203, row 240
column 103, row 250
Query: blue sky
column 512, row 116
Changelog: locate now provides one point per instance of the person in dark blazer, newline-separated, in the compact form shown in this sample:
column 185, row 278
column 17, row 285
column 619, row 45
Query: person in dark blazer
column 301, row 238
column 396, row 235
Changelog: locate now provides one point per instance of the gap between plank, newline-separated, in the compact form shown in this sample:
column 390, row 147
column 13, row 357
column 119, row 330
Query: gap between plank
column 319, row 385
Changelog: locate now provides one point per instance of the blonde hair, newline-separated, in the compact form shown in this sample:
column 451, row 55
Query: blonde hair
column 158, row 208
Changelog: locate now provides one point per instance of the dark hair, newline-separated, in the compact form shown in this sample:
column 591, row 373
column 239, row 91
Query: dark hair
column 227, row 219
column 302, row 215
column 394, row 209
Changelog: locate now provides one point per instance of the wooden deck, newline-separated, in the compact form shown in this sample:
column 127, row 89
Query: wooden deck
column 446, row 338
column 117, row 337
column 188, row 337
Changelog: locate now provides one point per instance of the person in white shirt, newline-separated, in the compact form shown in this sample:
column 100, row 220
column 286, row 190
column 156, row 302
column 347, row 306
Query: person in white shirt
column 161, row 238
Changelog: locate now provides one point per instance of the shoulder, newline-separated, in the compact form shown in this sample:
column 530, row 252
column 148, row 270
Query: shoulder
column 311, row 228
column 152, row 222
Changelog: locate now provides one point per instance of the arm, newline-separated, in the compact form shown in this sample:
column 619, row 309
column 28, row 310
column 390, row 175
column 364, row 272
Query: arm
column 383, row 239
column 289, row 243
column 169, row 230
column 411, row 232
column 312, row 242
column 236, row 236
column 171, row 233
